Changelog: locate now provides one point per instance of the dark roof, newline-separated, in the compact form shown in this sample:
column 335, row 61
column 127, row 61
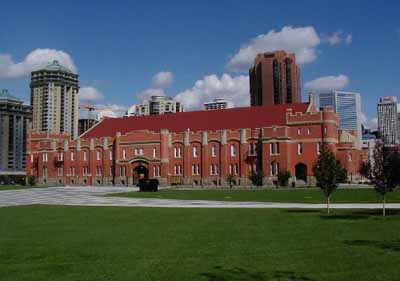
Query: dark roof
column 210, row 120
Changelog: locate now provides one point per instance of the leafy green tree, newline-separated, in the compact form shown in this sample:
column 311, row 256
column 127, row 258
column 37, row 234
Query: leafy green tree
column 384, row 171
column 329, row 173
column 256, row 178
column 283, row 178
column 231, row 179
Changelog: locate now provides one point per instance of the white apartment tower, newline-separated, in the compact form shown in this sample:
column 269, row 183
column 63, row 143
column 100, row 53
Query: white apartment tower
column 54, row 100
column 388, row 120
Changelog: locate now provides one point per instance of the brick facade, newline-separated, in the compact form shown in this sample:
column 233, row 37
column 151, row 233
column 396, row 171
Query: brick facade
column 189, row 157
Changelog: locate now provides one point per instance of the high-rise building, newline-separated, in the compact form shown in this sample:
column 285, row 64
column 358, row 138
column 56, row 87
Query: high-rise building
column 15, row 120
column 218, row 103
column 275, row 79
column 155, row 106
column 54, row 100
column 388, row 120
column 347, row 106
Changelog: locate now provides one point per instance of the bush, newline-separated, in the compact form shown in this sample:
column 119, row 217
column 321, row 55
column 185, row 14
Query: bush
column 31, row 180
column 256, row 178
column 283, row 178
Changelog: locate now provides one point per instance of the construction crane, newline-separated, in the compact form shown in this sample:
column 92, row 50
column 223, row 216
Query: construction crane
column 90, row 110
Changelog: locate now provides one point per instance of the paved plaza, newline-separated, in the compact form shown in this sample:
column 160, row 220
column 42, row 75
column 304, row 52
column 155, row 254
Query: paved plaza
column 95, row 196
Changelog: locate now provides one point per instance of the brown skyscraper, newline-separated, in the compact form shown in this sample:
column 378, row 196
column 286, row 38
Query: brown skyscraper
column 275, row 79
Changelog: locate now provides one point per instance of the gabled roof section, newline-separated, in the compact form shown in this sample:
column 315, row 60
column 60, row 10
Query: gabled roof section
column 210, row 120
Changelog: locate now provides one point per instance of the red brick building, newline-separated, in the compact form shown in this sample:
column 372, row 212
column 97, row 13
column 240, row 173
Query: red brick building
column 194, row 148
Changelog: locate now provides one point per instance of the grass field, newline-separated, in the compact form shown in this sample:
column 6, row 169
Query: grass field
column 311, row 195
column 121, row 244
column 9, row 187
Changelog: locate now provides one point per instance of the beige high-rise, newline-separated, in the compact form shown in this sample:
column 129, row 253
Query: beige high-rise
column 54, row 100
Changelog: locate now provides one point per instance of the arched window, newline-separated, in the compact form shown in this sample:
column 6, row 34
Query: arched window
column 233, row 150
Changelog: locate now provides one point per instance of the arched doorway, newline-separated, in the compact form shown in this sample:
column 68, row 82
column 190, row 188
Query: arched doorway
column 140, row 172
column 301, row 172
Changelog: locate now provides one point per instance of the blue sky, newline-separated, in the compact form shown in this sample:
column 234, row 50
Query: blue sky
column 118, row 47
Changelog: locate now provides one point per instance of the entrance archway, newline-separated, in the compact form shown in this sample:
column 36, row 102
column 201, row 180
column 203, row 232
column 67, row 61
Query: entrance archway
column 301, row 172
column 140, row 172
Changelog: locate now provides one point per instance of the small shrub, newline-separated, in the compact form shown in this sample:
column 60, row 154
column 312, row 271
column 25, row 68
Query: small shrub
column 283, row 178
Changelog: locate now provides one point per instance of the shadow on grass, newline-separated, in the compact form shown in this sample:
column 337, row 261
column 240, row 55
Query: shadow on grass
column 393, row 246
column 303, row 211
column 359, row 214
column 228, row 274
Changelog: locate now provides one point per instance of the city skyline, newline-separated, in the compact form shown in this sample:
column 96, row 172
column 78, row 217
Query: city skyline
column 185, row 60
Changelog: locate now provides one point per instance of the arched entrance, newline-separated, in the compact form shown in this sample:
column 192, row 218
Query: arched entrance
column 139, row 172
column 301, row 172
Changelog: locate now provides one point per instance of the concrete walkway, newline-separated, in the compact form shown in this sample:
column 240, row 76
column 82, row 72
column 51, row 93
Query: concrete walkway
column 94, row 196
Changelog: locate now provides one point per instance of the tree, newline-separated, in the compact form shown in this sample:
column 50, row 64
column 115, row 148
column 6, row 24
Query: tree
column 256, row 178
column 283, row 178
column 329, row 173
column 384, row 172
column 231, row 179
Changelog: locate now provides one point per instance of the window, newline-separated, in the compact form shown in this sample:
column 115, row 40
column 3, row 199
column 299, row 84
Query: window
column 98, row 155
column 274, row 168
column 177, row 152
column 299, row 148
column 154, row 152
column 122, row 171
column 233, row 150
column 325, row 130
column 350, row 157
column 85, row 171
column 156, row 171
column 308, row 131
column 195, row 169
column 31, row 158
column 318, row 148
column 60, row 156
column 236, row 169
column 98, row 171
column 72, row 156
column 123, row 154
column 45, row 157
column 72, row 171
column 60, row 172
column 177, row 169
column 138, row 151
column 274, row 148
column 195, row 152
column 111, row 171
column 213, row 169
column 213, row 151
column 84, row 155
column 299, row 131
column 252, row 149
column 111, row 155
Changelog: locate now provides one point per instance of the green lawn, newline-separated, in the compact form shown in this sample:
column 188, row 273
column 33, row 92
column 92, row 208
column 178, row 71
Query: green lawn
column 120, row 244
column 311, row 195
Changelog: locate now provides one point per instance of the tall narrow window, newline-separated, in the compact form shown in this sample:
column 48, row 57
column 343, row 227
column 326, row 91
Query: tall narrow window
column 195, row 152
column 45, row 157
column 98, row 155
column 111, row 155
column 154, row 152
column 72, row 156
column 318, row 148
column 299, row 148
column 123, row 154
column 213, row 151
column 233, row 150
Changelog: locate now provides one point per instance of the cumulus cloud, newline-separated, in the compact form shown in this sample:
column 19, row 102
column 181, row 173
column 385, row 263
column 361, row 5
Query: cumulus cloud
column 233, row 89
column 371, row 124
column 328, row 83
column 162, row 79
column 90, row 94
column 34, row 60
column 110, row 110
column 303, row 41
column 337, row 38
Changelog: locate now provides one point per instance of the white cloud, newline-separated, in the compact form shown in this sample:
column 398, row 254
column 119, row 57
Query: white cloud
column 90, row 94
column 110, row 110
column 328, row 83
column 34, row 60
column 303, row 41
column 162, row 79
column 146, row 94
column 233, row 89
column 369, row 123
column 337, row 37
